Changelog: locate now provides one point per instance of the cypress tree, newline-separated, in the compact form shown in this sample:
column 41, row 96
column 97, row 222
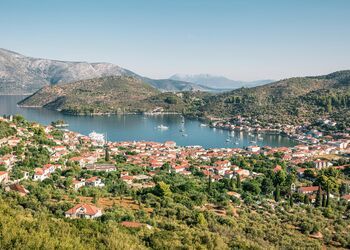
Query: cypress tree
column 238, row 181
column 209, row 183
column 323, row 200
column 291, row 203
column 318, row 197
column 277, row 194
column 106, row 153
column 306, row 200
column 232, row 183
column 327, row 201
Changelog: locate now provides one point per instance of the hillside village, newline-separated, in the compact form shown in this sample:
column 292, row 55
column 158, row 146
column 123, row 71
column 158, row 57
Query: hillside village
column 313, row 173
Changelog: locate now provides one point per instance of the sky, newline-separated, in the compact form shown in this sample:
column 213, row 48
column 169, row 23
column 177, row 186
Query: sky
column 239, row 39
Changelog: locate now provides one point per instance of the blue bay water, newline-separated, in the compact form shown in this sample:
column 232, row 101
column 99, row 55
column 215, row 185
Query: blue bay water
column 139, row 127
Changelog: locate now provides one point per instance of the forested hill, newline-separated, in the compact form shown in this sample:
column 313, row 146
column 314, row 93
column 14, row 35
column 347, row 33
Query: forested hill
column 290, row 99
column 106, row 94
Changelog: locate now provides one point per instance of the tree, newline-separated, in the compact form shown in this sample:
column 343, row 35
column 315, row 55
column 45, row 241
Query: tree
column 306, row 200
column 201, row 220
column 291, row 203
column 238, row 185
column 277, row 194
column 162, row 189
column 318, row 197
column 106, row 153
column 252, row 187
column 232, row 184
column 209, row 183
column 323, row 200
column 267, row 186
column 327, row 201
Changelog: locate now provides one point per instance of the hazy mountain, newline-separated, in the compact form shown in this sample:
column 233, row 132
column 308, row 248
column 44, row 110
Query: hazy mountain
column 217, row 82
column 20, row 74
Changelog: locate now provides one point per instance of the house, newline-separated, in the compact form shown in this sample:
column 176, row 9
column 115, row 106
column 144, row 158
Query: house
column 86, row 211
column 277, row 169
column 101, row 167
column 320, row 164
column 41, row 174
column 253, row 149
column 346, row 197
column 18, row 188
column 78, row 184
column 242, row 172
column 308, row 190
column 94, row 182
column 4, row 176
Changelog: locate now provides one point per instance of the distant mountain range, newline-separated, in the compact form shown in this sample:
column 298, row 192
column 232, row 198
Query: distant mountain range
column 217, row 82
column 20, row 74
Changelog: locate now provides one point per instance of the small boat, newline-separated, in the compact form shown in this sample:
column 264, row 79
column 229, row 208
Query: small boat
column 162, row 127
column 236, row 143
column 182, row 130
column 203, row 125
column 253, row 142
column 185, row 135
column 228, row 140
column 64, row 125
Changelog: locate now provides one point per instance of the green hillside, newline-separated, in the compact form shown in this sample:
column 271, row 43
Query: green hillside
column 108, row 94
column 292, row 100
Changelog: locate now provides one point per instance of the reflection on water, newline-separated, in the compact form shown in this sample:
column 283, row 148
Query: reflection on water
column 138, row 127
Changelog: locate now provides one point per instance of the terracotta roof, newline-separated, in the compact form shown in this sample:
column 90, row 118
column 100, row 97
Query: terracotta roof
column 3, row 172
column 346, row 197
column 308, row 189
column 89, row 209
column 19, row 188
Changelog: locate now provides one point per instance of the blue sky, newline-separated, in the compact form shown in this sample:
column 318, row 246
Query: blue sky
column 240, row 39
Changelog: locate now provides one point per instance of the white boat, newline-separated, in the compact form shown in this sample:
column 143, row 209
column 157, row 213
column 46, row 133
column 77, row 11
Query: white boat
column 236, row 143
column 162, row 127
column 203, row 125
column 228, row 140
column 253, row 142
column 185, row 135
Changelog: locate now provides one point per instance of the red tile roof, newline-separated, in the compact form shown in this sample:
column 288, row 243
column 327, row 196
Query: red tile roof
column 89, row 209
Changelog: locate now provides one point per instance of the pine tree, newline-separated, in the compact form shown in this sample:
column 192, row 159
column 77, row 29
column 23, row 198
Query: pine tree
column 318, row 197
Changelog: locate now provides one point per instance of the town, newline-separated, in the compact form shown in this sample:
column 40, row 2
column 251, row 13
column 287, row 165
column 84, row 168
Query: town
column 89, row 172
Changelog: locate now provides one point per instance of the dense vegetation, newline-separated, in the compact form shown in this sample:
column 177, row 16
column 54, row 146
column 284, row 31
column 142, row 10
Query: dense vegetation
column 6, row 130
